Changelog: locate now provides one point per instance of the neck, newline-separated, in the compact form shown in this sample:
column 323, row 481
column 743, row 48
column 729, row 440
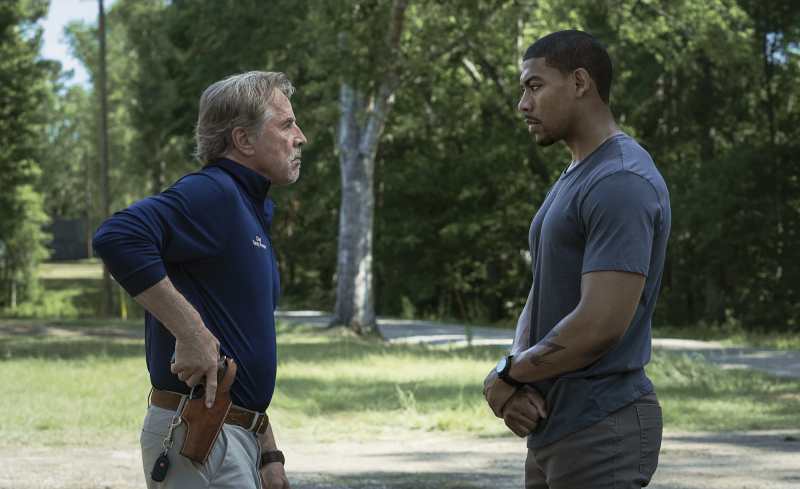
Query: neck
column 238, row 157
column 592, row 130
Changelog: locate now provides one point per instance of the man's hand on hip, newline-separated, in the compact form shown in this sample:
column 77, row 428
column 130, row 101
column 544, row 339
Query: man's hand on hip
column 523, row 411
column 273, row 476
column 196, row 349
column 197, row 356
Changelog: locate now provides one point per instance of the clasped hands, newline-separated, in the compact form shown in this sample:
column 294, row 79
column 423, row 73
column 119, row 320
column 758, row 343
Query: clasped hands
column 520, row 407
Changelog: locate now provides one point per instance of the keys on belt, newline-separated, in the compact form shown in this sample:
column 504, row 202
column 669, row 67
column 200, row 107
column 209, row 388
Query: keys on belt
column 206, row 421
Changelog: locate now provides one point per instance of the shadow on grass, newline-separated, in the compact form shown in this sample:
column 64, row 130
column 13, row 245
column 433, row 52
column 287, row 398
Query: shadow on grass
column 310, row 344
column 314, row 397
column 50, row 348
column 394, row 480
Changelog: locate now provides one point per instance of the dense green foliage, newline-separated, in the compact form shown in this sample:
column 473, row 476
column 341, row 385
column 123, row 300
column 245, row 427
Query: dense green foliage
column 709, row 88
column 25, row 97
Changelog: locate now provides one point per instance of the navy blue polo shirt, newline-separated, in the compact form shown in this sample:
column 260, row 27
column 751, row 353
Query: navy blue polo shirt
column 209, row 233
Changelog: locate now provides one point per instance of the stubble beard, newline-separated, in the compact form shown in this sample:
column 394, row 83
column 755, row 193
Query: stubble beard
column 546, row 140
column 293, row 172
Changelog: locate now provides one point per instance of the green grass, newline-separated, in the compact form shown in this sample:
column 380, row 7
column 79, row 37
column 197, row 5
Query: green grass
column 67, row 390
column 696, row 396
column 72, row 290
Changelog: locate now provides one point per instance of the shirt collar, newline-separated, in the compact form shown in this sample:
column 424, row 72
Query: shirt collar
column 254, row 184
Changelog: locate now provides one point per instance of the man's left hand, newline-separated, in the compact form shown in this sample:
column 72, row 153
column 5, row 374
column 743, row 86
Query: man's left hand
column 273, row 476
column 497, row 392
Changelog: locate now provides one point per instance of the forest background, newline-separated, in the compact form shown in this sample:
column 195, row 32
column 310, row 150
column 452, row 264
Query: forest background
column 708, row 87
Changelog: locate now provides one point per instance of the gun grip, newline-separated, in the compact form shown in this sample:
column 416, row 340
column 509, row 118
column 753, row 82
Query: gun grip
column 204, row 424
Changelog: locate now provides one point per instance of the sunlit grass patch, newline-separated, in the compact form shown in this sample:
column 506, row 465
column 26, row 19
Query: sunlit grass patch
column 92, row 400
column 333, row 385
column 697, row 396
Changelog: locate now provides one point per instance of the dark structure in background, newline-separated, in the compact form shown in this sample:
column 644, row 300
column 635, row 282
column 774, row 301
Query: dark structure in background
column 69, row 239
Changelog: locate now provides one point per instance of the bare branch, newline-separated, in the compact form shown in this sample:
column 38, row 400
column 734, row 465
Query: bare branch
column 397, row 17
column 391, row 80
column 469, row 32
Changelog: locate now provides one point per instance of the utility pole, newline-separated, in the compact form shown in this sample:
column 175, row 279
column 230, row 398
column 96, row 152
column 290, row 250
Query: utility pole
column 101, row 91
column 87, row 191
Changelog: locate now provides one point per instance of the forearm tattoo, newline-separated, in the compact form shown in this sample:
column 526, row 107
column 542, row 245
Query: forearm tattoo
column 538, row 357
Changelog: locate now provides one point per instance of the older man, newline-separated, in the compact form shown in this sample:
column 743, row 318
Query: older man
column 597, row 249
column 199, row 258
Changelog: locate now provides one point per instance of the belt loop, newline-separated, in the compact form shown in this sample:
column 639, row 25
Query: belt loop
column 264, row 419
column 255, row 422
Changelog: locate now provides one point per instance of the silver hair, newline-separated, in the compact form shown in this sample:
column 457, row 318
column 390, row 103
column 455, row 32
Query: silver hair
column 239, row 100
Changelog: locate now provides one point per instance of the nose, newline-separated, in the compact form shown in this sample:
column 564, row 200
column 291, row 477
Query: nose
column 525, row 103
column 301, row 139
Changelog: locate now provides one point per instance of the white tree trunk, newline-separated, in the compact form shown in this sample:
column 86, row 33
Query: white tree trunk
column 13, row 291
column 354, row 307
column 358, row 146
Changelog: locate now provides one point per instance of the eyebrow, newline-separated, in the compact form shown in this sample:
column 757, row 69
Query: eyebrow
column 288, row 121
column 530, row 79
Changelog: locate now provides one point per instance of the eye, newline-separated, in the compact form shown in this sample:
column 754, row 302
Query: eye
column 535, row 87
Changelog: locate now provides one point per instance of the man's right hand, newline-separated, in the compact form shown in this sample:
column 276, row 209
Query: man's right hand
column 196, row 349
column 523, row 411
column 196, row 357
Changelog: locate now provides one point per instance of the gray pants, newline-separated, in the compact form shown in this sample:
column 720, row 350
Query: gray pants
column 618, row 452
column 233, row 462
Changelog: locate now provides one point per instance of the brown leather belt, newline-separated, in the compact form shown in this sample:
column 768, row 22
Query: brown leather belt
column 249, row 420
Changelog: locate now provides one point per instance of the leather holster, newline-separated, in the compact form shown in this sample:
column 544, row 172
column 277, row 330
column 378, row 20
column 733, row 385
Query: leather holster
column 204, row 424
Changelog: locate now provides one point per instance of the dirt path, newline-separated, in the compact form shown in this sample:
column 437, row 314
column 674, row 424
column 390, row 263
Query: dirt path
column 748, row 460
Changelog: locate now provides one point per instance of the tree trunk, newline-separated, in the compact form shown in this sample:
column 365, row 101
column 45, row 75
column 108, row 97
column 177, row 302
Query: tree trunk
column 354, row 307
column 358, row 146
column 13, row 291
column 101, row 86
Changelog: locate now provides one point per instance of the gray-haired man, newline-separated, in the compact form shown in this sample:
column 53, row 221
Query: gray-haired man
column 199, row 258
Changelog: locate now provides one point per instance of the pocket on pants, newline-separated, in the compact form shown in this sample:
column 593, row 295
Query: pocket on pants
column 651, row 426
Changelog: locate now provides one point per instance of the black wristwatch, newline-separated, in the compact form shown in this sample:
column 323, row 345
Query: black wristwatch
column 503, row 367
column 269, row 457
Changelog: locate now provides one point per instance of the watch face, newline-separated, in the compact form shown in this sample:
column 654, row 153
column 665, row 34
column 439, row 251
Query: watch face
column 501, row 365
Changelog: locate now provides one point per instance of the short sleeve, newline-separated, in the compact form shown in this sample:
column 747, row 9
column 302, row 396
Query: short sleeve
column 620, row 216
column 188, row 221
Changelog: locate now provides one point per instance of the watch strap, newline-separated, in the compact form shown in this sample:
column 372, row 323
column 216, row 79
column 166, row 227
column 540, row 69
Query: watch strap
column 269, row 457
column 505, row 377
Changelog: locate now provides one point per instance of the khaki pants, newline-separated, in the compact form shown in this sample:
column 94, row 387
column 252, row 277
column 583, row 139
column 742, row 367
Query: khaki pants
column 233, row 462
column 618, row 452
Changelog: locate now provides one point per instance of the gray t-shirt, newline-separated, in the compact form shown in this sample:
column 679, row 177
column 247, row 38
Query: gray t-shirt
column 611, row 212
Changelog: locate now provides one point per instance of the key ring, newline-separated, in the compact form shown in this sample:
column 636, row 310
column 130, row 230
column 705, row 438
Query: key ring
column 168, row 439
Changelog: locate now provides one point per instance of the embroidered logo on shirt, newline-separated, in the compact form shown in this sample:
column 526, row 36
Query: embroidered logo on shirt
column 258, row 242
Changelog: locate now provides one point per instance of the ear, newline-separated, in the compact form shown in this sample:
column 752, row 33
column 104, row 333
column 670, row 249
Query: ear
column 583, row 82
column 241, row 140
